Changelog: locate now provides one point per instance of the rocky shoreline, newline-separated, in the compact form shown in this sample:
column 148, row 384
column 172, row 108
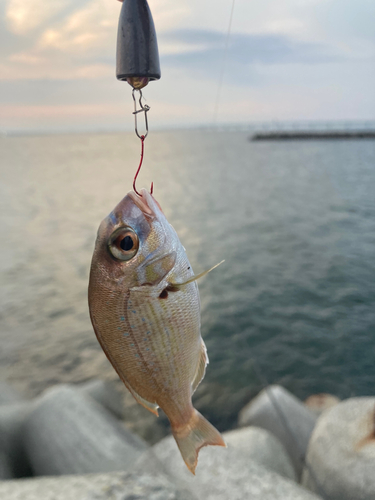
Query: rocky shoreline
column 82, row 442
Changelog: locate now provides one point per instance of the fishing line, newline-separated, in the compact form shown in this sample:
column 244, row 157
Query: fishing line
column 256, row 368
column 264, row 383
column 223, row 66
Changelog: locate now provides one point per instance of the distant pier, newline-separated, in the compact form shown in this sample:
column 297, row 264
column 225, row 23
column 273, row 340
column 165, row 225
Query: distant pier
column 299, row 135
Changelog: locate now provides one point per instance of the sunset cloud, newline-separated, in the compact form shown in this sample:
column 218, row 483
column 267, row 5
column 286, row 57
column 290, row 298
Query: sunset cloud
column 23, row 17
column 277, row 51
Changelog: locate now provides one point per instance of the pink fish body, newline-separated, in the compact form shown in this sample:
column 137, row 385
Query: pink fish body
column 145, row 310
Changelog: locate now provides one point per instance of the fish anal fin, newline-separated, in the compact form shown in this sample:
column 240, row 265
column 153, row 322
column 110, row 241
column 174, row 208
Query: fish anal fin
column 152, row 407
column 201, row 367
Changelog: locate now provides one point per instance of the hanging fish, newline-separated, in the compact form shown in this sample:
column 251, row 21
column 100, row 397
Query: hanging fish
column 144, row 306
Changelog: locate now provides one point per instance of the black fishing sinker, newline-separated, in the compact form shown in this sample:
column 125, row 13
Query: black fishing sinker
column 137, row 47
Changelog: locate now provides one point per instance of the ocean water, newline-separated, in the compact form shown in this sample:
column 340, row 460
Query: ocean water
column 294, row 221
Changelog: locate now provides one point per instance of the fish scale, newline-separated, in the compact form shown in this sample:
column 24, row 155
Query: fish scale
column 168, row 342
column 145, row 310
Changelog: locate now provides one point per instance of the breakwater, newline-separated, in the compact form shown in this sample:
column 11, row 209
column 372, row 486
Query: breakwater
column 293, row 135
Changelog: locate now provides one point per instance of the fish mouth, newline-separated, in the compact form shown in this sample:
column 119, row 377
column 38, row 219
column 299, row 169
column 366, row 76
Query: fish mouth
column 146, row 203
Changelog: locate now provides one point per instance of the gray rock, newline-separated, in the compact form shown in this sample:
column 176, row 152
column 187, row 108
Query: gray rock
column 69, row 433
column 341, row 451
column 228, row 474
column 12, row 419
column 262, row 447
column 285, row 416
column 320, row 402
column 106, row 394
column 13, row 411
column 5, row 467
column 117, row 399
column 8, row 395
column 112, row 486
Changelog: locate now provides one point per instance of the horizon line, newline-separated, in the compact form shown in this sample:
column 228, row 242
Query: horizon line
column 256, row 125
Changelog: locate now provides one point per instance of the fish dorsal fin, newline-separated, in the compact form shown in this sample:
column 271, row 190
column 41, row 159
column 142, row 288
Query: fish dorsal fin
column 152, row 407
column 201, row 367
column 195, row 277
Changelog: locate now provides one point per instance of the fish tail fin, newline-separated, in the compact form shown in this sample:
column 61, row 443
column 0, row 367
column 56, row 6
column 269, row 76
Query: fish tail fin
column 198, row 432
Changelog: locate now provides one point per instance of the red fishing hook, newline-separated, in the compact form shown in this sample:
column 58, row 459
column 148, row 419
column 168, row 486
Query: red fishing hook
column 142, row 137
column 140, row 164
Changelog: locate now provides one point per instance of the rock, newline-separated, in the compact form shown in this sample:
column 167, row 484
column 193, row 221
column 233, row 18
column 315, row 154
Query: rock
column 320, row 402
column 142, row 422
column 69, row 433
column 231, row 473
column 219, row 403
column 13, row 411
column 285, row 416
column 341, row 451
column 5, row 467
column 12, row 419
column 117, row 399
column 262, row 447
column 106, row 394
column 112, row 486
column 8, row 395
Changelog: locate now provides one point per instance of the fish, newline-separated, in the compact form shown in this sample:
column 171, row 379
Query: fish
column 145, row 310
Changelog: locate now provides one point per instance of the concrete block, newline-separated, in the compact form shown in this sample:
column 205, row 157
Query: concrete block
column 278, row 411
column 8, row 395
column 228, row 474
column 117, row 399
column 111, row 486
column 69, row 433
column 317, row 403
column 12, row 419
column 105, row 394
column 5, row 467
column 341, row 451
column 262, row 447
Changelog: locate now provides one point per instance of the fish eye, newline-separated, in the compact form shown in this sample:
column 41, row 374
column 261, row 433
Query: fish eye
column 123, row 243
column 127, row 243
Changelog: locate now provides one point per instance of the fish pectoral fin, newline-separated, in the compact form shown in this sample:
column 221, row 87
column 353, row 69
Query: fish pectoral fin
column 195, row 277
column 152, row 407
column 201, row 367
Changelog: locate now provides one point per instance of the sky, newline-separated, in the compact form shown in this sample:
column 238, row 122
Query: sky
column 299, row 60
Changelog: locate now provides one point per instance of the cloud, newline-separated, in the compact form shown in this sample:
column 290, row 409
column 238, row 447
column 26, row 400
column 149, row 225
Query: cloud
column 169, row 14
column 25, row 16
column 345, row 20
column 77, row 39
column 60, row 92
column 62, row 53
column 245, row 53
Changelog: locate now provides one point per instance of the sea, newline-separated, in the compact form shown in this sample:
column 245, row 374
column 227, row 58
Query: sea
column 293, row 303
